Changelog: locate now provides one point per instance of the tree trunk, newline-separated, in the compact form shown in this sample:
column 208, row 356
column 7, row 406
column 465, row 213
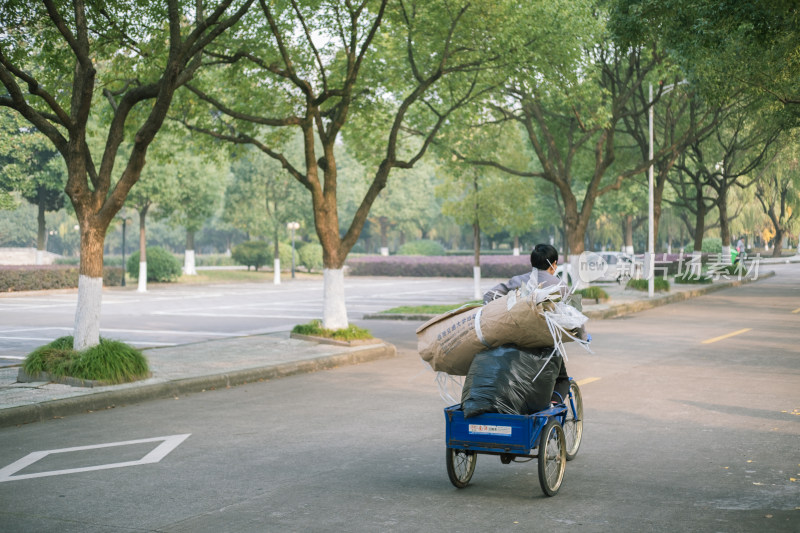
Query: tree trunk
column 777, row 249
column 628, row 249
column 41, row 235
column 142, row 287
column 724, row 226
column 188, row 259
column 383, row 223
column 276, row 263
column 90, row 285
column 699, row 224
column 476, row 265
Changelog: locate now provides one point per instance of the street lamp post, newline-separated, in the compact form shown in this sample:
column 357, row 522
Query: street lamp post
column 124, row 221
column 293, row 226
column 651, row 251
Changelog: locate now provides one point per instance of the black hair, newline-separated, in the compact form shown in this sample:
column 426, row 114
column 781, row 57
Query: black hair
column 543, row 256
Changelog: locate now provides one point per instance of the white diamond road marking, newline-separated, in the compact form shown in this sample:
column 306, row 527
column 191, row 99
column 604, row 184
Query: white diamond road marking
column 159, row 452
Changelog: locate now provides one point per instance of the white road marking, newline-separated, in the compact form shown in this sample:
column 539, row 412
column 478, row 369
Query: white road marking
column 169, row 443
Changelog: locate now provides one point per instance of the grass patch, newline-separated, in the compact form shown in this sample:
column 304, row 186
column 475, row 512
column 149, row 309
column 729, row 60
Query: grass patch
column 226, row 276
column 427, row 309
column 659, row 285
column 689, row 278
column 110, row 361
column 315, row 329
column 593, row 293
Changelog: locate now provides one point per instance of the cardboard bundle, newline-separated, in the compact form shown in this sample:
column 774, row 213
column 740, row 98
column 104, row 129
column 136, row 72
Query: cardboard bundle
column 449, row 342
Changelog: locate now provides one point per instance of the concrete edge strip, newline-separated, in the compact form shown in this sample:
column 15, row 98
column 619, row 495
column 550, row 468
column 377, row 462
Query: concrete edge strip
column 99, row 401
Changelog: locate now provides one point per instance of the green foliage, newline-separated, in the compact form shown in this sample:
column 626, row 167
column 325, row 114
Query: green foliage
column 593, row 293
column 711, row 245
column 692, row 278
column 161, row 265
column 285, row 249
column 421, row 247
column 315, row 329
column 214, row 260
column 659, row 285
column 310, row 256
column 47, row 277
column 110, row 361
column 252, row 254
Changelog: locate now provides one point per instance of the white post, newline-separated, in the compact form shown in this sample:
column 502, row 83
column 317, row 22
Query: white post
column 276, row 277
column 650, row 217
column 476, row 282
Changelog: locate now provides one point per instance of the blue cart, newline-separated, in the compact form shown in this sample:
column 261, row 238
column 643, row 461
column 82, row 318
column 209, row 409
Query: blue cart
column 554, row 435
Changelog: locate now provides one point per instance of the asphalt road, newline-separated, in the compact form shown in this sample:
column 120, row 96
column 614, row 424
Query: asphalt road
column 692, row 423
column 169, row 314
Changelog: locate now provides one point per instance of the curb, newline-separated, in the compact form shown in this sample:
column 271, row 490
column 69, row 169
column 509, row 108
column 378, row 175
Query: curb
column 99, row 401
column 643, row 305
column 614, row 310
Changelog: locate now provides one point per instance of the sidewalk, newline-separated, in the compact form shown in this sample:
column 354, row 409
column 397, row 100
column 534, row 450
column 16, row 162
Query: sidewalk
column 190, row 368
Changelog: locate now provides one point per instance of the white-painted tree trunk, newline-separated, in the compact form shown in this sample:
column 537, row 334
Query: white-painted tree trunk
column 384, row 251
column 516, row 251
column 726, row 255
column 476, row 283
column 575, row 271
column 87, row 313
column 334, row 309
column 276, row 277
column 628, row 249
column 188, row 263
column 142, row 277
column 39, row 257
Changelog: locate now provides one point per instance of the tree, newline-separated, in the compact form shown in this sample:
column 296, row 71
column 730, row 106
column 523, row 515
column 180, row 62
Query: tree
column 724, row 46
column 33, row 168
column 200, row 180
column 135, row 55
column 778, row 191
column 378, row 67
column 571, row 128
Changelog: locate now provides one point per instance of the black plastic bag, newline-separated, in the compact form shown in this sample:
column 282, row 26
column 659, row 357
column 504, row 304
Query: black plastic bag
column 510, row 381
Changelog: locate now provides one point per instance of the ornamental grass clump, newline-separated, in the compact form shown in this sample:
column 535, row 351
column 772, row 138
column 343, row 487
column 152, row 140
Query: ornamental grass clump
column 315, row 329
column 593, row 293
column 659, row 285
column 109, row 362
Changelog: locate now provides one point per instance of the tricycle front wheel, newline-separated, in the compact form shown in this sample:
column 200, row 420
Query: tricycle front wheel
column 460, row 466
column 552, row 457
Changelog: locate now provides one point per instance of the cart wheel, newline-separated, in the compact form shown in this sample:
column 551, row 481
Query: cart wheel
column 460, row 466
column 552, row 457
column 573, row 424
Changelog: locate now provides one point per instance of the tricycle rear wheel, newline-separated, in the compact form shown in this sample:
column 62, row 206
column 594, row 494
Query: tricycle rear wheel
column 573, row 423
column 460, row 466
column 552, row 457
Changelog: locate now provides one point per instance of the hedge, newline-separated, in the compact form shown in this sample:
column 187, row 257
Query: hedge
column 496, row 266
column 43, row 277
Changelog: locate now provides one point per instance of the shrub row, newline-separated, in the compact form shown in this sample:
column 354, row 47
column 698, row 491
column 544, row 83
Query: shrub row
column 43, row 277
column 496, row 266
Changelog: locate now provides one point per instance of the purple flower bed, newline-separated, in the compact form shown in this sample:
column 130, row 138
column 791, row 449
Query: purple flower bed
column 492, row 266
